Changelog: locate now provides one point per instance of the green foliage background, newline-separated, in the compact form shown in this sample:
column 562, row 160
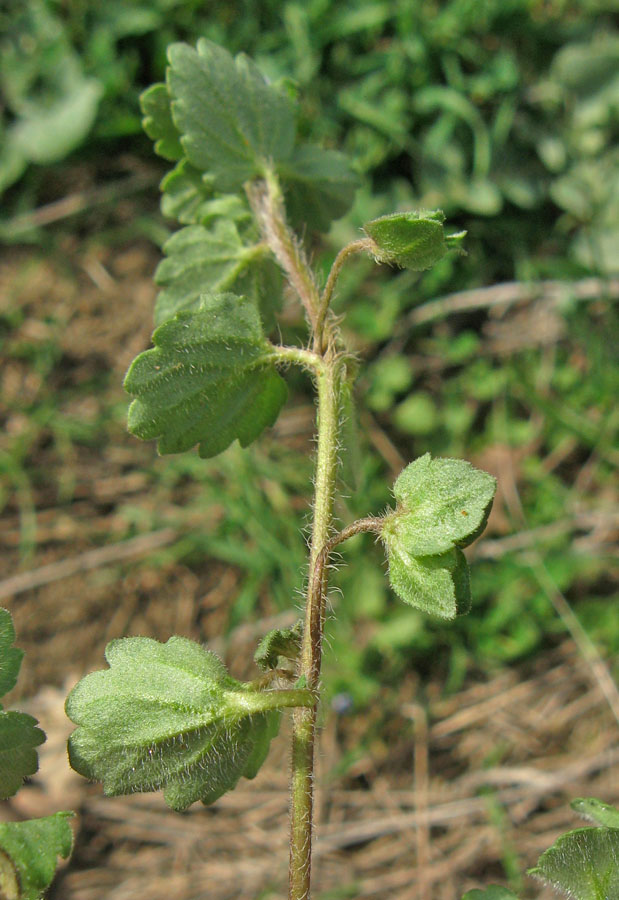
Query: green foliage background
column 504, row 113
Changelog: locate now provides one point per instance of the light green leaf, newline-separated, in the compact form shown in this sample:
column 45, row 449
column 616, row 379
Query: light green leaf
column 187, row 195
column 233, row 123
column 442, row 503
column 583, row 864
column 10, row 657
column 203, row 260
column 169, row 716
column 157, row 122
column 438, row 585
column 413, row 240
column 18, row 758
column 209, row 380
column 492, row 892
column 29, row 852
column 284, row 642
column 597, row 811
column 319, row 186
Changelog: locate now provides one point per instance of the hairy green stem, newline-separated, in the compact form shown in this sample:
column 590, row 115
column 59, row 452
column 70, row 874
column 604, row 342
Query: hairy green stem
column 304, row 720
column 327, row 295
column 267, row 202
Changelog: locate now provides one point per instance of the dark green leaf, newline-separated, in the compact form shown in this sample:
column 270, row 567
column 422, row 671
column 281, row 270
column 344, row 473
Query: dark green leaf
column 583, row 864
column 29, row 852
column 233, row 123
column 19, row 736
column 209, row 380
column 597, row 811
column 438, row 585
column 413, row 240
column 203, row 260
column 442, row 503
column 158, row 124
column 169, row 716
column 10, row 657
column 319, row 186
column 284, row 642
column 493, row 892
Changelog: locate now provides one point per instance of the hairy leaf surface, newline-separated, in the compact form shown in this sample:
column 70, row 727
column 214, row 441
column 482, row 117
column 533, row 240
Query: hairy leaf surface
column 438, row 585
column 29, row 852
column 232, row 122
column 441, row 503
column 597, row 811
column 169, row 716
column 213, row 260
column 413, row 240
column 209, row 380
column 583, row 864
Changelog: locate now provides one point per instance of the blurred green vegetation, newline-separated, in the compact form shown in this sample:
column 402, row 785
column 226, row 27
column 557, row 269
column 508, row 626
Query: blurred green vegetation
column 505, row 114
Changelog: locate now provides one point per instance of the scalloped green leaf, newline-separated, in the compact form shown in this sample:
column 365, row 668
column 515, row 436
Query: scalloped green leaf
column 412, row 240
column 492, row 892
column 441, row 503
column 210, row 379
column 319, row 186
column 29, row 852
column 188, row 196
column 233, row 123
column 156, row 106
column 19, row 736
column 596, row 811
column 10, row 657
column 438, row 585
column 213, row 260
column 169, row 716
column 281, row 642
column 583, row 864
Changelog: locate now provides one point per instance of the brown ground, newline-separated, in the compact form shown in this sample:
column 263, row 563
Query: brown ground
column 469, row 786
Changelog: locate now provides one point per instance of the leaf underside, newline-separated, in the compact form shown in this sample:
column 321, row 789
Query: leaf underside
column 209, row 380
column 29, row 852
column 167, row 716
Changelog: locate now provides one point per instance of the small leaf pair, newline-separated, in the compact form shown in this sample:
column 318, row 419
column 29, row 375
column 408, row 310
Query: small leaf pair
column 442, row 506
